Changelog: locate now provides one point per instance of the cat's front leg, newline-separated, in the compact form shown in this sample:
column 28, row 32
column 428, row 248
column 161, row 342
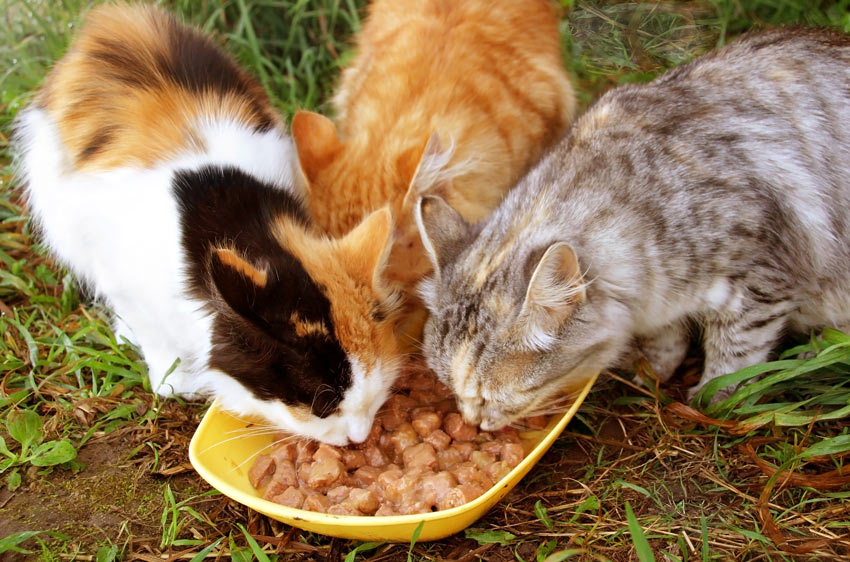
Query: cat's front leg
column 664, row 350
column 734, row 340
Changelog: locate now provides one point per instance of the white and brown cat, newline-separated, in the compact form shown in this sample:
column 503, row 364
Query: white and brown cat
column 158, row 173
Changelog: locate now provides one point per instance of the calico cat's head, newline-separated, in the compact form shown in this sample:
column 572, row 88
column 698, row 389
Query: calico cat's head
column 332, row 168
column 512, row 326
column 302, row 324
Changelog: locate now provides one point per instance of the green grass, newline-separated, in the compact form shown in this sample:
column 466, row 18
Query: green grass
column 636, row 476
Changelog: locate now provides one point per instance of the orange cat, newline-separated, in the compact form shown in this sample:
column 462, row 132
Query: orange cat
column 485, row 77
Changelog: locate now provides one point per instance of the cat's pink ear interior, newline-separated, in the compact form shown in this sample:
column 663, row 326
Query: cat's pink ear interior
column 443, row 231
column 316, row 142
column 366, row 248
column 424, row 170
column 555, row 288
column 237, row 280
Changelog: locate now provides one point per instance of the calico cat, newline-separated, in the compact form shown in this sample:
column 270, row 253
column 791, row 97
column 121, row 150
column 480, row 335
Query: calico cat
column 159, row 174
column 717, row 194
column 485, row 77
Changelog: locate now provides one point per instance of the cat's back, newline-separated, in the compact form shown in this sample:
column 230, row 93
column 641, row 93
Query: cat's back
column 739, row 153
column 137, row 88
column 487, row 76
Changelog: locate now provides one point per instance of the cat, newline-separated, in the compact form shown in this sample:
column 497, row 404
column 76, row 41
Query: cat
column 716, row 194
column 446, row 97
column 159, row 173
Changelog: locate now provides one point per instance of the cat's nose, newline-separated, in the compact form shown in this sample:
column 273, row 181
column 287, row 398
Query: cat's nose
column 492, row 424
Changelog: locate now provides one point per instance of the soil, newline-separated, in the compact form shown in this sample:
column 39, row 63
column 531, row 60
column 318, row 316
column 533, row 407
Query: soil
column 117, row 496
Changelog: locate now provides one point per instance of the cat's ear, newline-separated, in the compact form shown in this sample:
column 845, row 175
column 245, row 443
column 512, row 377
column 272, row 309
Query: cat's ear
column 442, row 229
column 555, row 288
column 240, row 283
column 367, row 247
column 424, row 170
column 316, row 142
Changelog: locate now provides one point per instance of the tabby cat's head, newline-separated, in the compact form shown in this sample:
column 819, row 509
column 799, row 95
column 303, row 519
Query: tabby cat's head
column 512, row 326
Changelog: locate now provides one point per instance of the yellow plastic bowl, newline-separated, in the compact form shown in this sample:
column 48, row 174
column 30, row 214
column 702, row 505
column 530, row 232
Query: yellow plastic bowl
column 222, row 456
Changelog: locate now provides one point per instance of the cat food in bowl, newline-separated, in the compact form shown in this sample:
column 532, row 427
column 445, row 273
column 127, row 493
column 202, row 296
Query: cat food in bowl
column 415, row 467
column 420, row 457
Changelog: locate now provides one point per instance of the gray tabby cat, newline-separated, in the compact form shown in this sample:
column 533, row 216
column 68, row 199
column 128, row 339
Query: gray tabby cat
column 717, row 194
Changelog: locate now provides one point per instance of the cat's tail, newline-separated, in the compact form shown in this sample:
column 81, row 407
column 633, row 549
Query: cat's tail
column 137, row 84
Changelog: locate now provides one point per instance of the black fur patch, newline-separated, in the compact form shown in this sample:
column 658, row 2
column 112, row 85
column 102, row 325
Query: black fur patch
column 254, row 340
column 199, row 65
column 189, row 59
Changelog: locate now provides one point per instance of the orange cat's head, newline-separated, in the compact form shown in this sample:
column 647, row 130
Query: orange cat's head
column 333, row 169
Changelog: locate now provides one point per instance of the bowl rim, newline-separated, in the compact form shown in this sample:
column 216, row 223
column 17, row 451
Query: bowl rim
column 548, row 436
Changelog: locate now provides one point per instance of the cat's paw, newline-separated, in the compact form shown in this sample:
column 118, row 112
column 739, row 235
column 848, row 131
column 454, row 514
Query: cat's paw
column 719, row 396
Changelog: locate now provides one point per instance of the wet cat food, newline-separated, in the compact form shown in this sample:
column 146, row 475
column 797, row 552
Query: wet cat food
column 420, row 456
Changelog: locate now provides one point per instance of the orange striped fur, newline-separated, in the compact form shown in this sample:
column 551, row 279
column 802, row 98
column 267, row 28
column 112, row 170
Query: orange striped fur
column 135, row 86
column 486, row 76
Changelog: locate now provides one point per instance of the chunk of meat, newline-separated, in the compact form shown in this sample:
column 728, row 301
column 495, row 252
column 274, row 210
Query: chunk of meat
column 304, row 451
column 316, row 502
column 492, row 448
column 325, row 451
column 324, row 473
column 464, row 448
column 261, row 471
column 284, row 452
column 365, row 475
column 338, row 493
column 375, row 456
column 438, row 439
column 426, row 422
column 458, row 430
column 424, row 397
column 497, row 470
column 512, row 453
column 388, row 476
column 435, row 486
column 343, row 509
column 385, row 509
column 291, row 497
column 401, row 491
column 422, row 455
column 449, row 458
column 353, row 458
column 481, row 459
column 461, row 495
column 303, row 472
column 396, row 411
column 284, row 477
column 508, row 434
column 364, row 501
column 403, row 437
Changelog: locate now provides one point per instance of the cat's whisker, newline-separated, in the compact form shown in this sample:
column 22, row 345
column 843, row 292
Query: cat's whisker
column 255, row 434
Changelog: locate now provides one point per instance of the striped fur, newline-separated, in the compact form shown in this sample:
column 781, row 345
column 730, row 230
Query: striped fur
column 486, row 77
column 717, row 195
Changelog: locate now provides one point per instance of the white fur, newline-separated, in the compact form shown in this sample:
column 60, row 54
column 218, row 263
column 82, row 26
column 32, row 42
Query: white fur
column 368, row 391
column 119, row 232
